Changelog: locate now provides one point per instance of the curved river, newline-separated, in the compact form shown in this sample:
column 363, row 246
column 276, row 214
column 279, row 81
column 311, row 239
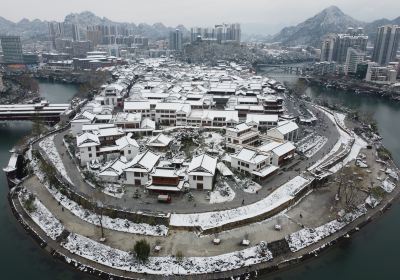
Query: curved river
column 370, row 254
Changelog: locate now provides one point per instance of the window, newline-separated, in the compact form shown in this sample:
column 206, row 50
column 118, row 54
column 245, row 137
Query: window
column 199, row 178
column 129, row 152
column 137, row 174
column 90, row 155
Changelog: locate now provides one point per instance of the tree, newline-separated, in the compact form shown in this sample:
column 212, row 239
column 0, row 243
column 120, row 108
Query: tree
column 98, row 209
column 142, row 250
column 29, row 203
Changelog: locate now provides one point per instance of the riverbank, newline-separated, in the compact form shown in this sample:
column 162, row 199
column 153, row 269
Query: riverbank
column 355, row 86
column 284, row 259
column 282, row 262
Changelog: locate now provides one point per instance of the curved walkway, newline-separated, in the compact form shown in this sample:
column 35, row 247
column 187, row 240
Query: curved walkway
column 150, row 205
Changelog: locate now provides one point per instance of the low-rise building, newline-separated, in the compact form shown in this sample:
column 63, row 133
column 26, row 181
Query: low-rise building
column 286, row 130
column 254, row 163
column 262, row 122
column 165, row 180
column 201, row 172
column 137, row 170
column 241, row 134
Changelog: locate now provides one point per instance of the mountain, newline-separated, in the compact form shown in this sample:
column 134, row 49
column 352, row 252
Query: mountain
column 310, row 32
column 371, row 28
column 27, row 29
column 37, row 29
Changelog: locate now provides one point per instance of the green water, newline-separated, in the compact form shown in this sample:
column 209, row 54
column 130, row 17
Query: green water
column 21, row 258
column 371, row 254
column 57, row 93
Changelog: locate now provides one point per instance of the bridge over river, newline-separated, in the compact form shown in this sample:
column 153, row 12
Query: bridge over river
column 44, row 111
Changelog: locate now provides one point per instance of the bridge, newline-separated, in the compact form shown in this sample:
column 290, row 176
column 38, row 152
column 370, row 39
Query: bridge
column 42, row 111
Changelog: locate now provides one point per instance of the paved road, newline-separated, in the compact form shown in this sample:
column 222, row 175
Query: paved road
column 185, row 241
column 148, row 203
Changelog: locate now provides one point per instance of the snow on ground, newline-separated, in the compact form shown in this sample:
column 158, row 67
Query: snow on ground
column 42, row 217
column 359, row 144
column 310, row 141
column 388, row 186
column 50, row 149
column 252, row 187
column 308, row 236
column 114, row 190
column 344, row 137
column 92, row 250
column 222, row 194
column 208, row 220
column 317, row 145
column 116, row 224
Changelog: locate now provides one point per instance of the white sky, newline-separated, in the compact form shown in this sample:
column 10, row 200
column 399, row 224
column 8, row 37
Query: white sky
column 269, row 13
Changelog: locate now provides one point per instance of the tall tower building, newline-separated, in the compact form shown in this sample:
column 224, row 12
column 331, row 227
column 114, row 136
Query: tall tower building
column 386, row 44
column 175, row 40
column 327, row 49
column 12, row 49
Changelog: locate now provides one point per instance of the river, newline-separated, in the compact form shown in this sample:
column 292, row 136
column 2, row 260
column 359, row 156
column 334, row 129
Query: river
column 370, row 254
column 373, row 252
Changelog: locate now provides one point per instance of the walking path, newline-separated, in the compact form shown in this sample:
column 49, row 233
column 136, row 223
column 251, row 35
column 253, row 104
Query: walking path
column 188, row 242
column 149, row 204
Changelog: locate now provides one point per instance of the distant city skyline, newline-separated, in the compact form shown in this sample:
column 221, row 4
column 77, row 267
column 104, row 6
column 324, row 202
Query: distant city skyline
column 259, row 16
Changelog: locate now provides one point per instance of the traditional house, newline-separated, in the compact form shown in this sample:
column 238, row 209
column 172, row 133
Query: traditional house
column 165, row 180
column 87, row 144
column 286, row 130
column 241, row 134
column 159, row 142
column 127, row 146
column 201, row 172
column 79, row 120
column 254, row 163
column 139, row 168
column 113, row 172
column 262, row 122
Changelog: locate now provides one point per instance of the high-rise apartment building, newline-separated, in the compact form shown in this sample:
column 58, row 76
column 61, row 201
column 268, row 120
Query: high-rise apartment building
column 386, row 44
column 175, row 40
column 353, row 58
column 220, row 33
column 12, row 49
column 335, row 47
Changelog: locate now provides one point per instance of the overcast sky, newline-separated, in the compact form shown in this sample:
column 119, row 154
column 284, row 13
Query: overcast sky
column 272, row 14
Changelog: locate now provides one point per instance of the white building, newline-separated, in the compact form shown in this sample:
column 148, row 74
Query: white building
column 138, row 169
column 159, row 142
column 254, row 163
column 201, row 172
column 280, row 152
column 87, row 144
column 80, row 120
column 286, row 130
column 353, row 58
column 241, row 134
column 127, row 146
column 262, row 122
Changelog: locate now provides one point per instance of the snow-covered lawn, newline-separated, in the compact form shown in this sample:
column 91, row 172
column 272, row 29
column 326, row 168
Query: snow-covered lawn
column 359, row 144
column 92, row 250
column 317, row 145
column 116, row 224
column 221, row 194
column 42, row 217
column 50, row 149
column 252, row 187
column 312, row 144
column 114, row 190
column 308, row 236
column 208, row 220
column 344, row 139
column 388, row 186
